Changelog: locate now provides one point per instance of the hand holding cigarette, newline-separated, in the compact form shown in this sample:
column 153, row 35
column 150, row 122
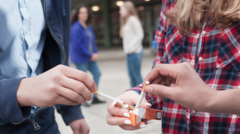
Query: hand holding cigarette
column 130, row 98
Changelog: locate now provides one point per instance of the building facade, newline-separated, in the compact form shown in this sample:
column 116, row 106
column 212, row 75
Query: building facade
column 106, row 19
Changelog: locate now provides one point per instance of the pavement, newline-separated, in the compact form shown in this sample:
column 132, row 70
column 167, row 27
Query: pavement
column 114, row 81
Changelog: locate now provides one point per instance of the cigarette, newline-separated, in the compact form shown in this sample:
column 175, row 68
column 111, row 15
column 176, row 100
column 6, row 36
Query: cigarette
column 106, row 96
column 118, row 104
column 141, row 95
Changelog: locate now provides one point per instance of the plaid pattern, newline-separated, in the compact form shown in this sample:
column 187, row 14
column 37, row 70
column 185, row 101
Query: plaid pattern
column 219, row 66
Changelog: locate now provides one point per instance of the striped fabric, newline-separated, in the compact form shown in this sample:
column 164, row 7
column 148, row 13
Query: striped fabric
column 218, row 65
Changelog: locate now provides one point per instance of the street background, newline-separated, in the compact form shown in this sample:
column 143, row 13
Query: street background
column 114, row 81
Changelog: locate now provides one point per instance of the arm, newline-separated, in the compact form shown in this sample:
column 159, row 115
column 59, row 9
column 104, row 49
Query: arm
column 226, row 101
column 10, row 110
column 200, row 97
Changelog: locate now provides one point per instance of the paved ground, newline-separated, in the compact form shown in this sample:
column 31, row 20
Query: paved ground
column 114, row 81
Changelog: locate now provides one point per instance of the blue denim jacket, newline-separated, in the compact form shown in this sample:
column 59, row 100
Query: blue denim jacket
column 55, row 52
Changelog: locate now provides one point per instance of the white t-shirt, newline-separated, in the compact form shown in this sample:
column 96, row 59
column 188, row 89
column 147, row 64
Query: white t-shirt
column 132, row 36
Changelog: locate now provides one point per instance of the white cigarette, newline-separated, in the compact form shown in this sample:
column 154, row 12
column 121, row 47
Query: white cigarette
column 141, row 95
column 108, row 97
column 140, row 100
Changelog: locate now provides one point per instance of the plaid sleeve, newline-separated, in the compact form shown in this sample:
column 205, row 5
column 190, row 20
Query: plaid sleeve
column 160, row 39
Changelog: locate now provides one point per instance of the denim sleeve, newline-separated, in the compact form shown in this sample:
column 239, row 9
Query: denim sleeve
column 70, row 113
column 10, row 110
column 2, row 122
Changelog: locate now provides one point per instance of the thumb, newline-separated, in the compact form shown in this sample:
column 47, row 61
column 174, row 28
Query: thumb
column 76, row 132
column 160, row 90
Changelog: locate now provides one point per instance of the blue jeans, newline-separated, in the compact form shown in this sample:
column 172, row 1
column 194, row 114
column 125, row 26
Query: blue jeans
column 134, row 68
column 93, row 68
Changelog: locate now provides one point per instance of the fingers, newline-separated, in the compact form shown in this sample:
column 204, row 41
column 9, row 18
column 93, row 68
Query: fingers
column 117, row 111
column 79, row 76
column 116, row 120
column 76, row 132
column 127, row 127
column 117, row 116
column 158, row 80
column 71, row 95
column 124, row 123
column 77, row 87
column 166, row 70
column 159, row 90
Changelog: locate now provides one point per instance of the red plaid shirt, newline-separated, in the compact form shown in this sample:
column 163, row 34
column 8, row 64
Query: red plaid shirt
column 219, row 66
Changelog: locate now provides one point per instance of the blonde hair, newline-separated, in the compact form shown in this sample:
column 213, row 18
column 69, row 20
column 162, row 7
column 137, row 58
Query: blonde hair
column 189, row 15
column 131, row 12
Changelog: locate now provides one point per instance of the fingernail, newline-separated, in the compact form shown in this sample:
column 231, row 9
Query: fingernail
column 149, row 122
column 148, row 104
column 128, row 122
column 142, row 126
column 126, row 115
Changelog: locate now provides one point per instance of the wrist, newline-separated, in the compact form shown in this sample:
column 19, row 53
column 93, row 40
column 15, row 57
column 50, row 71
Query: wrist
column 22, row 95
column 211, row 100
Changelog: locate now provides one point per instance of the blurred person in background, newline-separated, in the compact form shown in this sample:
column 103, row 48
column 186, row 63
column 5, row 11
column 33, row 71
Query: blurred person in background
column 132, row 33
column 83, row 49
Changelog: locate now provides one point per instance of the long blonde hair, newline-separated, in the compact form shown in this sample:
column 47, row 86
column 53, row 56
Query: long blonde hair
column 189, row 15
column 131, row 12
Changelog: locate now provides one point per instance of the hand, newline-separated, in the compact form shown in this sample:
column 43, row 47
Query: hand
column 94, row 57
column 159, row 79
column 60, row 85
column 190, row 90
column 129, row 97
column 80, row 126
